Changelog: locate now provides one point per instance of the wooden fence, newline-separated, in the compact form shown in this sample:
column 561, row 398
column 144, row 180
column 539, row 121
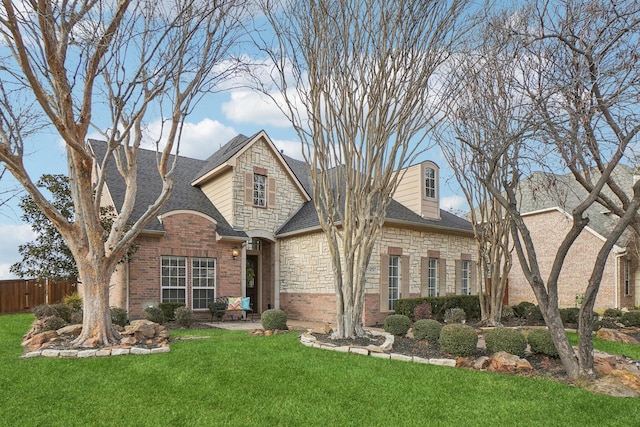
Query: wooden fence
column 21, row 295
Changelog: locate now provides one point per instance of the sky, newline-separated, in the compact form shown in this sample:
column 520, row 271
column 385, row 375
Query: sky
column 217, row 119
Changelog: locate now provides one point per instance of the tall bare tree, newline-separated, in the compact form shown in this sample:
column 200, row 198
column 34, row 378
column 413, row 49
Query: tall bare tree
column 357, row 79
column 580, row 72
column 486, row 113
column 113, row 66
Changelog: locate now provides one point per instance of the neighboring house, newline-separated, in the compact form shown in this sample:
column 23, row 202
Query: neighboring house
column 243, row 223
column 546, row 203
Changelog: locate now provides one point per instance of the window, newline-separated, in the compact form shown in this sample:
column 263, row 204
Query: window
column 464, row 277
column 433, row 277
column 627, row 277
column 394, row 281
column 430, row 183
column 203, row 282
column 173, row 279
column 259, row 190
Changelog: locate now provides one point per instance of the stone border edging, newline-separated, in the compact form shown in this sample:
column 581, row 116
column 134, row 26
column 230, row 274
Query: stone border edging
column 309, row 340
column 104, row 352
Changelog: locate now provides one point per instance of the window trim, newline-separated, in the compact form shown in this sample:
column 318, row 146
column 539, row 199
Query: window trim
column 207, row 287
column 180, row 278
column 395, row 281
column 432, row 277
column 258, row 200
column 430, row 190
column 465, row 277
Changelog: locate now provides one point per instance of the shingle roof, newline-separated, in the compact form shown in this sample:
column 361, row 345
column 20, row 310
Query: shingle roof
column 542, row 191
column 307, row 217
column 223, row 154
column 183, row 196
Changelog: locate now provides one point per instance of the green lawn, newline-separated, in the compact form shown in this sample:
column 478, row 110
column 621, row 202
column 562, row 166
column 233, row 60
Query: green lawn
column 233, row 379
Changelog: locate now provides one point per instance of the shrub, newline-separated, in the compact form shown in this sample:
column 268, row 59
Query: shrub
column 454, row 315
column 458, row 339
column 76, row 317
column 505, row 339
column 53, row 323
column 612, row 313
column 604, row 323
column 184, row 317
column 535, row 316
column 154, row 314
column 523, row 309
column 422, row 311
column 169, row 309
column 439, row 305
column 274, row 319
column 397, row 324
column 427, row 329
column 507, row 313
column 119, row 316
column 44, row 310
column 631, row 318
column 73, row 300
column 569, row 315
column 541, row 342
column 64, row 311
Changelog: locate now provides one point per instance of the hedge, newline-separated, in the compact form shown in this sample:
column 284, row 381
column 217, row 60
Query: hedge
column 439, row 305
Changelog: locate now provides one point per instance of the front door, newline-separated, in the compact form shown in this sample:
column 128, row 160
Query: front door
column 253, row 281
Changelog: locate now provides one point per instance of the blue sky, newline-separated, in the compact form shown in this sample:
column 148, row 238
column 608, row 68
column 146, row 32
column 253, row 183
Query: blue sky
column 217, row 119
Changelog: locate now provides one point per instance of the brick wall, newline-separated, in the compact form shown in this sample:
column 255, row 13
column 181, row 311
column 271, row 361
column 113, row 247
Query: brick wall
column 186, row 235
column 547, row 230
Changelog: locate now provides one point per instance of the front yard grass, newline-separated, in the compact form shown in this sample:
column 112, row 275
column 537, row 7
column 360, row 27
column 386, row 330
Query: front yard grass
column 233, row 379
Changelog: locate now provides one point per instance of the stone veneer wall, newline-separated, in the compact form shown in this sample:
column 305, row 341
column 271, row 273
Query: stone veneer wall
column 288, row 197
column 306, row 279
column 547, row 230
column 189, row 235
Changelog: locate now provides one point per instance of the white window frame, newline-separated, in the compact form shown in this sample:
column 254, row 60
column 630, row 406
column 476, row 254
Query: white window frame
column 465, row 277
column 259, row 190
column 203, row 278
column 429, row 183
column 433, row 277
column 394, row 281
column 173, row 277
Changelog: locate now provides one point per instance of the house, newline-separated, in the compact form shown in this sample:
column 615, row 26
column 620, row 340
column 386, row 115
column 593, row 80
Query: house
column 243, row 223
column 546, row 205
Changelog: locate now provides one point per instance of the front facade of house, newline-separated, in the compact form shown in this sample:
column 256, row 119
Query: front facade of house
column 243, row 223
column 548, row 220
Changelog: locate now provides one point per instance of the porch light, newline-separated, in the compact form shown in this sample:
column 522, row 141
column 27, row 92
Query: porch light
column 235, row 253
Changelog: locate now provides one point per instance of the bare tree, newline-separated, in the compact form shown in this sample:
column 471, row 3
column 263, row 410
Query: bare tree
column 486, row 113
column 131, row 62
column 580, row 71
column 362, row 98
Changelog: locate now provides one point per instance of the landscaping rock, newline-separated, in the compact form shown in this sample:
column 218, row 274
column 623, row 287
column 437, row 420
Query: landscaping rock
column 602, row 367
column 73, row 330
column 505, row 363
column 614, row 335
column 481, row 363
column 142, row 328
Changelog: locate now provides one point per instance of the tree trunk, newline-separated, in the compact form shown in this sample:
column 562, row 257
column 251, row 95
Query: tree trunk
column 97, row 329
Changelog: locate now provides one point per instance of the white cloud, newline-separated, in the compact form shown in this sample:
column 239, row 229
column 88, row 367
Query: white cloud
column 454, row 203
column 13, row 235
column 245, row 106
column 290, row 148
column 199, row 140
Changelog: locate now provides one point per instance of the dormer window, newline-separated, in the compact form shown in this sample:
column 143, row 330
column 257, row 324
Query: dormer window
column 429, row 183
column 259, row 190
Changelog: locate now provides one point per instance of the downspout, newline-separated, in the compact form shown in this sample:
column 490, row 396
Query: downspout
column 126, row 281
column 276, row 276
column 616, row 282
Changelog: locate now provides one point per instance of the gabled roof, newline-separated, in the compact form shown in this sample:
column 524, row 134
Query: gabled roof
column 542, row 192
column 306, row 218
column 183, row 197
column 225, row 158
